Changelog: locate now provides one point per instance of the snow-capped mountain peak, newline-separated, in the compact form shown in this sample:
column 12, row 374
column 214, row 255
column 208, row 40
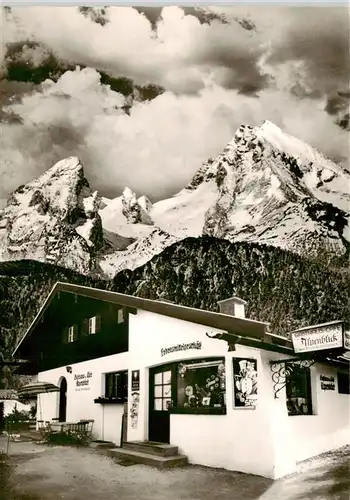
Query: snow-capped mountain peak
column 266, row 187
column 44, row 220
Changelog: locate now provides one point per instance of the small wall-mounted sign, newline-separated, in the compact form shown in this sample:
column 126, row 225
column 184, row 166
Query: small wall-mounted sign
column 82, row 381
column 318, row 338
column 327, row 383
column 181, row 347
column 135, row 380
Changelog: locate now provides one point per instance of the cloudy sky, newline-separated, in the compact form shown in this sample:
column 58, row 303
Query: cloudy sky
column 144, row 95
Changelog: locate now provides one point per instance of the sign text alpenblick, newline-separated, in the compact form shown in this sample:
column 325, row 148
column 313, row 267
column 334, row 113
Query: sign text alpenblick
column 319, row 338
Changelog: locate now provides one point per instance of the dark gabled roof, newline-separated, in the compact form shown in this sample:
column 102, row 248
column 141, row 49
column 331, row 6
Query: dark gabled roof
column 239, row 326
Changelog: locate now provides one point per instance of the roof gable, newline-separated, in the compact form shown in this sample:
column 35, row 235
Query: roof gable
column 239, row 326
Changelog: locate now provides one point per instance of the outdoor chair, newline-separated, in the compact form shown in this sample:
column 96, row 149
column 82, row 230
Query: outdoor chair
column 82, row 430
column 44, row 428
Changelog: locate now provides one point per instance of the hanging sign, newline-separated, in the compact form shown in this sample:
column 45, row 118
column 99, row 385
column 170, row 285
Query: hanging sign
column 318, row 338
column 135, row 380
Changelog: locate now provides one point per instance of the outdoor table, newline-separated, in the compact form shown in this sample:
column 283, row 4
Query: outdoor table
column 80, row 430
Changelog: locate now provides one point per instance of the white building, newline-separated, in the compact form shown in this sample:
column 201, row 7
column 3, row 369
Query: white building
column 218, row 386
column 9, row 403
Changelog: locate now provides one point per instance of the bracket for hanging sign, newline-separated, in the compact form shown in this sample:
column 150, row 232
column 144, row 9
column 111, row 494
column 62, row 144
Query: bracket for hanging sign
column 230, row 338
column 281, row 369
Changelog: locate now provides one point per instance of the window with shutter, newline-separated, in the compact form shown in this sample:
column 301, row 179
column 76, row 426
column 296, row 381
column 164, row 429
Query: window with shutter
column 71, row 334
column 92, row 325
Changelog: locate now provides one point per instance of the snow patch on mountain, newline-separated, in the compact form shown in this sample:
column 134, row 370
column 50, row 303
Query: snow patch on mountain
column 183, row 215
column 137, row 253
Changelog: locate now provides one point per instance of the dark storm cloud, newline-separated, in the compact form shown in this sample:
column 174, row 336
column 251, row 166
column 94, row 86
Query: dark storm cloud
column 338, row 105
column 23, row 65
column 204, row 16
column 318, row 37
column 97, row 14
column 13, row 91
column 29, row 61
column 10, row 93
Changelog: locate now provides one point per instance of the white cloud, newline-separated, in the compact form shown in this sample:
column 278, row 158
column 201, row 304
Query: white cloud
column 162, row 143
column 155, row 150
column 127, row 46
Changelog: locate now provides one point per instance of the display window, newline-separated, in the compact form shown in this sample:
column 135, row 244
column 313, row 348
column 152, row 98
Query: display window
column 201, row 383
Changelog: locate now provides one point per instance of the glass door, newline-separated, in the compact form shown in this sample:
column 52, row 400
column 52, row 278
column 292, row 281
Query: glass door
column 160, row 399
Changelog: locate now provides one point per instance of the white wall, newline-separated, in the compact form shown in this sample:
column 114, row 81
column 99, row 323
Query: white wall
column 242, row 440
column 80, row 401
column 10, row 405
column 329, row 427
column 148, row 334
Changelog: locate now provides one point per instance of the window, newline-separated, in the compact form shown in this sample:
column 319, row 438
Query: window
column 343, row 383
column 72, row 333
column 94, row 325
column 120, row 316
column 116, row 385
column 298, row 390
column 201, row 383
column 162, row 391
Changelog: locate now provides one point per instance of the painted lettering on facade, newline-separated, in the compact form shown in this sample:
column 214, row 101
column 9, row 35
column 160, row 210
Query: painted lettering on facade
column 181, row 347
column 82, row 381
column 327, row 383
column 318, row 338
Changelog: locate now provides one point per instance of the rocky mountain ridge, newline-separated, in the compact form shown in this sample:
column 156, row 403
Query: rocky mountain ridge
column 266, row 187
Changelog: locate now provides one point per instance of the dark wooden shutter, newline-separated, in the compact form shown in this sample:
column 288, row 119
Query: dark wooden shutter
column 75, row 335
column 98, row 323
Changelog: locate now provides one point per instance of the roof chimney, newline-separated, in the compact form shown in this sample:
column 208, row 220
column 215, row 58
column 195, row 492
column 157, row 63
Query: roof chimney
column 234, row 306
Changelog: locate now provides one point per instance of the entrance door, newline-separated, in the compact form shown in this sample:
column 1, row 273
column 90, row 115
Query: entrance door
column 62, row 411
column 160, row 398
